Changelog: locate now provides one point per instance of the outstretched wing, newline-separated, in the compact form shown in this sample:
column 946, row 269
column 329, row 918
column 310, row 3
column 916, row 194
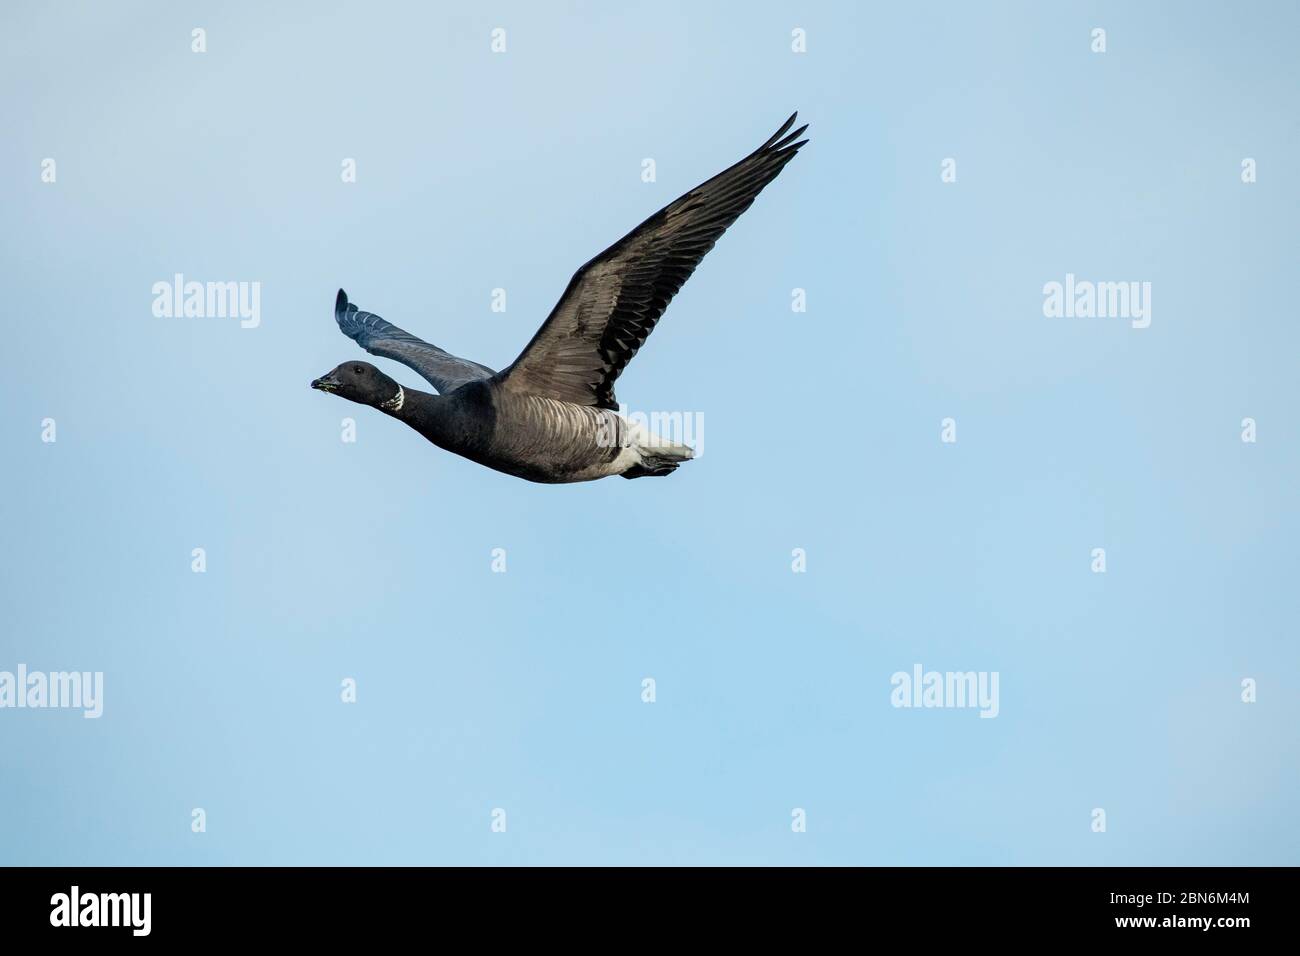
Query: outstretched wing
column 443, row 370
column 613, row 302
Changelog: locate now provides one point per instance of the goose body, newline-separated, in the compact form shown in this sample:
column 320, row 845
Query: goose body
column 551, row 416
column 536, row 438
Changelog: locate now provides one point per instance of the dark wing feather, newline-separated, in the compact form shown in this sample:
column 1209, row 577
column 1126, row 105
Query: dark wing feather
column 613, row 302
column 443, row 370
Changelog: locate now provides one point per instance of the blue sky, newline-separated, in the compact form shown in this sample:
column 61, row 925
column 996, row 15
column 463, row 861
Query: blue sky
column 523, row 691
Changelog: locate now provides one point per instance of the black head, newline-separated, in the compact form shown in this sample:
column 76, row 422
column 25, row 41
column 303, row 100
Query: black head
column 359, row 382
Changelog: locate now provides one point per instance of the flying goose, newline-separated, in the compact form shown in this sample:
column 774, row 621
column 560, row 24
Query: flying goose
column 551, row 416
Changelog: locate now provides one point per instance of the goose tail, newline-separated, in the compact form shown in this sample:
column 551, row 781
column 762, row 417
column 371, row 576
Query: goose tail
column 659, row 457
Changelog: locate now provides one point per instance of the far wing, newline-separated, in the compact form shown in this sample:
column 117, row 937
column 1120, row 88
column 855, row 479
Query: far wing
column 443, row 370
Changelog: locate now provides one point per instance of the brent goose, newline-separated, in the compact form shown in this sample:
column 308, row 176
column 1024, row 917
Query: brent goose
column 551, row 416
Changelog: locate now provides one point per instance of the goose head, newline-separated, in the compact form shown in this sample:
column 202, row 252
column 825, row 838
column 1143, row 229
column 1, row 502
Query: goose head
column 362, row 383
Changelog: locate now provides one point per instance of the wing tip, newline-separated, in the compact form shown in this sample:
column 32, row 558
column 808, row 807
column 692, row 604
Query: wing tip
column 345, row 314
column 781, row 132
column 783, row 137
column 788, row 142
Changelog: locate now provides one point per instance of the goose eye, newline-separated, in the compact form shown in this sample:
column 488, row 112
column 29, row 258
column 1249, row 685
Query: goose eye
column 359, row 370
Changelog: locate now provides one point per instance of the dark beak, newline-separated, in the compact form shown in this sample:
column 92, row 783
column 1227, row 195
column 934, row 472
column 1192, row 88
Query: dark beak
column 326, row 383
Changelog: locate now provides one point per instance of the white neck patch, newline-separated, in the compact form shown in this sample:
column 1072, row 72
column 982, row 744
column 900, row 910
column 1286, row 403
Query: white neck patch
column 395, row 403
